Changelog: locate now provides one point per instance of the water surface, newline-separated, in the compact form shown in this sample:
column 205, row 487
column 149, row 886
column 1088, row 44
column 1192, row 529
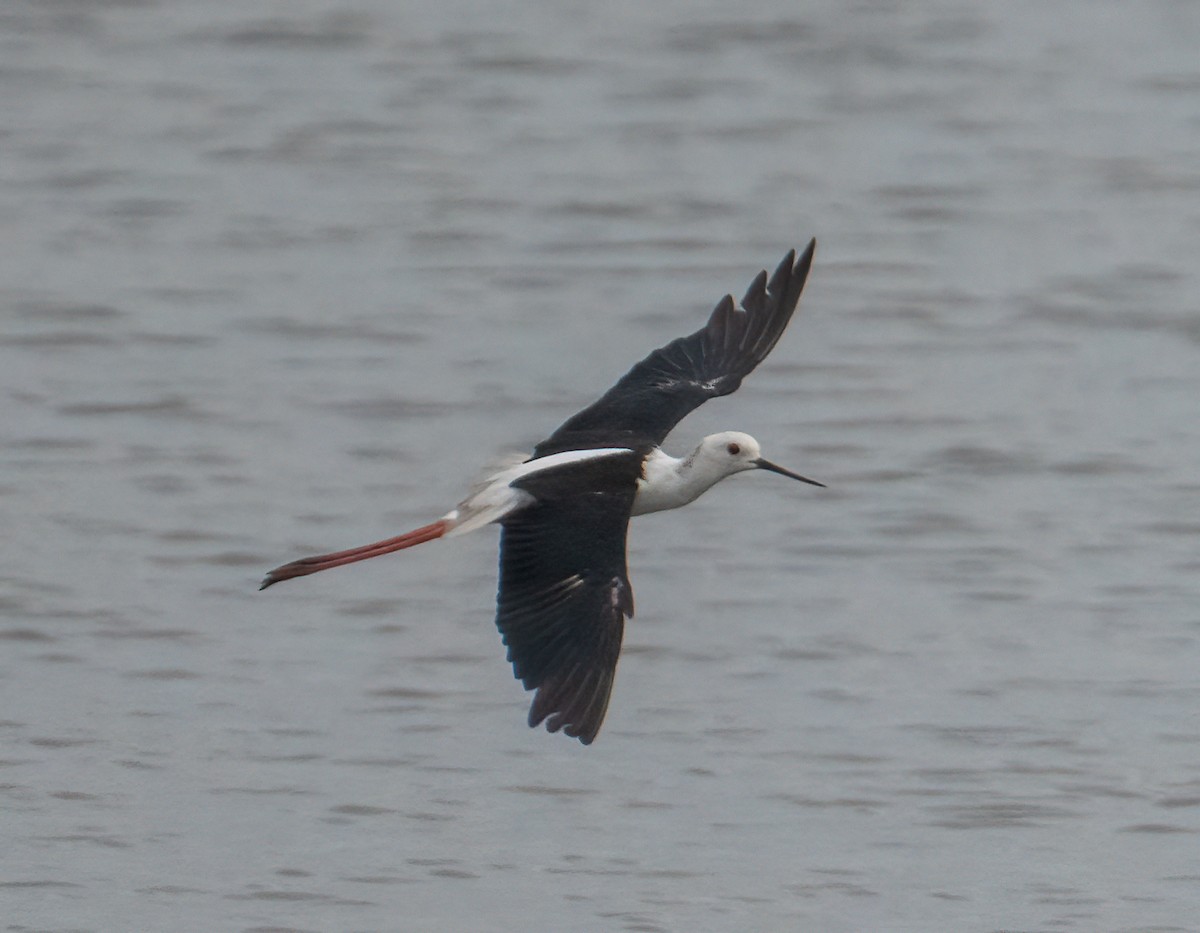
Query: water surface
column 277, row 278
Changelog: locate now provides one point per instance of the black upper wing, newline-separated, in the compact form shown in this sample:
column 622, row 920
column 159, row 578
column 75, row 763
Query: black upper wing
column 662, row 389
column 564, row 590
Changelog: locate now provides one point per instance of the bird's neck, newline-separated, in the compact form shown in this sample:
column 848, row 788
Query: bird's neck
column 668, row 482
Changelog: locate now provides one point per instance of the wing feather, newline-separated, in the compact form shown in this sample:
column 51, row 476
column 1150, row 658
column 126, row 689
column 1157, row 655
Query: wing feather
column 657, row 393
column 564, row 590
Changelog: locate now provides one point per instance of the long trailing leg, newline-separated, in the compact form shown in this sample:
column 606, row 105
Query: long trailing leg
column 307, row 565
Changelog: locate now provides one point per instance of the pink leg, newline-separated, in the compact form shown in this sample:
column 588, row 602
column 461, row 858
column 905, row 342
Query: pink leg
column 307, row 565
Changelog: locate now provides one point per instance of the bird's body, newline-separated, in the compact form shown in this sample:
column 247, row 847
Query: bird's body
column 564, row 590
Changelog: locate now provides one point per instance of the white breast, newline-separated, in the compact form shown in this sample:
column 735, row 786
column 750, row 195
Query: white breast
column 661, row 485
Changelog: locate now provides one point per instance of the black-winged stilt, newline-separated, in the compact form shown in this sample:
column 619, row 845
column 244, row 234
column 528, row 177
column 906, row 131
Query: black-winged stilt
column 564, row 590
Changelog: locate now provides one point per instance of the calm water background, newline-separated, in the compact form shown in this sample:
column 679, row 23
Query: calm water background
column 277, row 277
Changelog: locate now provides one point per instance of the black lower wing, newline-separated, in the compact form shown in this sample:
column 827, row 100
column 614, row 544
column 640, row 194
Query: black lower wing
column 564, row 592
column 674, row 380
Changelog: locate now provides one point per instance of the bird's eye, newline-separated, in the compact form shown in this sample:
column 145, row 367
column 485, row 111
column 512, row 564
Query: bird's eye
column 734, row 449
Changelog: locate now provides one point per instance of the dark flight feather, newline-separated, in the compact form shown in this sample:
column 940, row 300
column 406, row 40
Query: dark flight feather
column 674, row 380
column 564, row 589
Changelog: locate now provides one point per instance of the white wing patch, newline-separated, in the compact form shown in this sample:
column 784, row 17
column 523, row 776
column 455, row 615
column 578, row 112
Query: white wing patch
column 564, row 458
column 493, row 497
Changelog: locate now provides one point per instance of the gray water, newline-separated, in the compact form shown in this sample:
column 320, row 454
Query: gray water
column 279, row 277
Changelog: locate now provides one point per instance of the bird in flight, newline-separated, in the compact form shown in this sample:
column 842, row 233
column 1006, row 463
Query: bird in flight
column 564, row 511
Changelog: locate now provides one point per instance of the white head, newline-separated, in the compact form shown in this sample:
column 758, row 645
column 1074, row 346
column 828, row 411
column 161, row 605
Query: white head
column 734, row 452
column 668, row 483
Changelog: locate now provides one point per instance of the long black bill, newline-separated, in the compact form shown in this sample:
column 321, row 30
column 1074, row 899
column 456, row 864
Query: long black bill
column 768, row 465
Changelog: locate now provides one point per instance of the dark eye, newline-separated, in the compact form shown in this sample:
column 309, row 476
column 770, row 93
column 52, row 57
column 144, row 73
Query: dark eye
column 734, row 449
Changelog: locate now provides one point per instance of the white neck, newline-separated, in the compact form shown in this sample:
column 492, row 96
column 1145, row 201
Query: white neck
column 669, row 482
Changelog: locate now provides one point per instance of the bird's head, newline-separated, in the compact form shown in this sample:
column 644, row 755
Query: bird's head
column 736, row 452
